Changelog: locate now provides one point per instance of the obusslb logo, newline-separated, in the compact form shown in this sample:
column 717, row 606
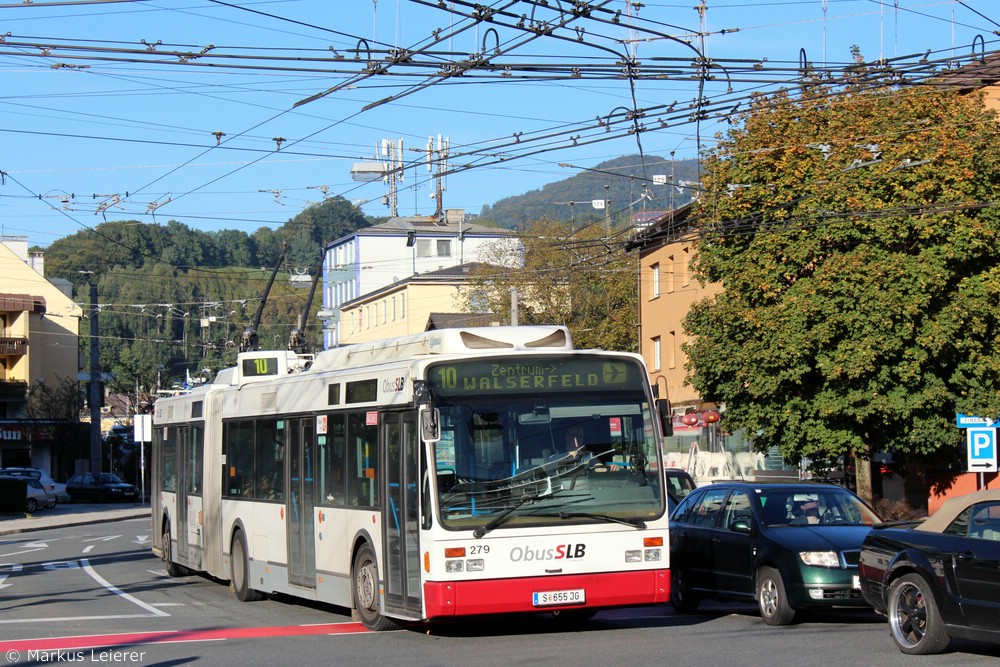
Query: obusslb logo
column 561, row 552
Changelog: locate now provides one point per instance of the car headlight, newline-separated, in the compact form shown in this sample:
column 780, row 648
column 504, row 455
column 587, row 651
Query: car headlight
column 820, row 558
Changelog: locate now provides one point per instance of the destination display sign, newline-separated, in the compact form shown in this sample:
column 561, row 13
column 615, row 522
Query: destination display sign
column 257, row 366
column 535, row 374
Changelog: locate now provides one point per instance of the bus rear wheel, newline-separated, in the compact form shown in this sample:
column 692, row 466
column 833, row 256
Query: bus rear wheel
column 366, row 591
column 239, row 568
column 173, row 569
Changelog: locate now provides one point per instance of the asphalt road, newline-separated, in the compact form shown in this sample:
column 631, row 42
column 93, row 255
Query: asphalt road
column 95, row 594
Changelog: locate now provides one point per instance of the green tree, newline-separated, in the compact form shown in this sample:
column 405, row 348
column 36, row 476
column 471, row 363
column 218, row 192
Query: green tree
column 854, row 231
column 563, row 276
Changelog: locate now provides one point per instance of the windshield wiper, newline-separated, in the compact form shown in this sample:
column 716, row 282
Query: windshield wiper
column 523, row 500
column 635, row 523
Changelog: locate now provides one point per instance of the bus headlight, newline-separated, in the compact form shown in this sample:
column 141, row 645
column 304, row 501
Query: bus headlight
column 633, row 556
column 475, row 565
column 652, row 555
column 454, row 566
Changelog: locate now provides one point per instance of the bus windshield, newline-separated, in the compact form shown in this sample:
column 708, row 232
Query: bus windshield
column 545, row 440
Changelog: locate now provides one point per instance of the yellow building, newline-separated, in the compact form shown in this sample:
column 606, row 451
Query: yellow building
column 38, row 346
column 410, row 306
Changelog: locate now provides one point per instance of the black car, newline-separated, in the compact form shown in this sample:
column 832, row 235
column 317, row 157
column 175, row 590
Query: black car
column 787, row 546
column 102, row 487
column 938, row 579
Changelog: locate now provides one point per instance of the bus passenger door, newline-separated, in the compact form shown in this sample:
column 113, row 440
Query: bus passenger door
column 181, row 485
column 299, row 434
column 401, row 512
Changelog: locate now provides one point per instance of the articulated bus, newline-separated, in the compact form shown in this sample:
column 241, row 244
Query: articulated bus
column 421, row 478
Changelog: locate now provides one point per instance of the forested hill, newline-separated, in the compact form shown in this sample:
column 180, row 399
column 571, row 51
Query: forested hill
column 135, row 244
column 624, row 177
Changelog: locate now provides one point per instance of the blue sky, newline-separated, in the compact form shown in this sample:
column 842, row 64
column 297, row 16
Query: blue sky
column 157, row 110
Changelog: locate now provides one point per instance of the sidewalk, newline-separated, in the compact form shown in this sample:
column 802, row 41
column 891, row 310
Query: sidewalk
column 71, row 514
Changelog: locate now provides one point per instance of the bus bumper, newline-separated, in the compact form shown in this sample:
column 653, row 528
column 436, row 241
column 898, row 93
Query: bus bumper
column 502, row 596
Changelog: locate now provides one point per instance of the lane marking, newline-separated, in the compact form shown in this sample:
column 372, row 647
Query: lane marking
column 177, row 636
column 117, row 591
column 87, row 549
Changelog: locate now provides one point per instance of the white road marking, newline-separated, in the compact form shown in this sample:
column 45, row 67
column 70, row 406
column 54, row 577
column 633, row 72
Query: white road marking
column 117, row 591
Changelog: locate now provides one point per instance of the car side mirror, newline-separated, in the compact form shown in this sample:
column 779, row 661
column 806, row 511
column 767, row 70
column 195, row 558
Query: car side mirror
column 740, row 526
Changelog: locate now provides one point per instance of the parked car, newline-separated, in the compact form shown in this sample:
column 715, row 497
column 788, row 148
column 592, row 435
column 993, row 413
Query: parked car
column 788, row 546
column 36, row 495
column 679, row 482
column 52, row 486
column 101, row 487
column 938, row 579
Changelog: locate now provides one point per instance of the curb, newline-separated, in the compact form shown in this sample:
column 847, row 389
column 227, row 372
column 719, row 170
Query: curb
column 44, row 523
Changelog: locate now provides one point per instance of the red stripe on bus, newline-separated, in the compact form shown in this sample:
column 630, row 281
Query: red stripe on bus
column 502, row 596
column 175, row 636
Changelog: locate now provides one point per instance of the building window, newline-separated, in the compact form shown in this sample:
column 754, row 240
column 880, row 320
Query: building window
column 444, row 248
column 423, row 247
column 668, row 279
column 655, row 292
column 672, row 350
column 656, row 353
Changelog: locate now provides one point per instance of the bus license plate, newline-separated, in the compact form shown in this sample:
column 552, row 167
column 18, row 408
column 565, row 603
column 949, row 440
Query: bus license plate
column 547, row 598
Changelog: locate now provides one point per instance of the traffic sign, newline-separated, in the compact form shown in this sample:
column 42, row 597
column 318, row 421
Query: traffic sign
column 965, row 421
column 982, row 449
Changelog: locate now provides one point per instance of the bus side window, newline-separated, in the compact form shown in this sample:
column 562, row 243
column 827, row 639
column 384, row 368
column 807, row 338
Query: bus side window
column 362, row 478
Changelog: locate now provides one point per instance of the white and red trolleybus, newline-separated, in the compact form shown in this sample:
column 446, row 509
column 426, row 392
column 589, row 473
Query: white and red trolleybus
column 421, row 478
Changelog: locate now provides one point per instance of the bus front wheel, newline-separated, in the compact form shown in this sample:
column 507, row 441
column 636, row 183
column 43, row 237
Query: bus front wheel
column 366, row 591
column 239, row 566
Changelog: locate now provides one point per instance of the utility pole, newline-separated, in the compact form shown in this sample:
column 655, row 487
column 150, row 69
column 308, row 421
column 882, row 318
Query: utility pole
column 94, row 388
column 607, row 209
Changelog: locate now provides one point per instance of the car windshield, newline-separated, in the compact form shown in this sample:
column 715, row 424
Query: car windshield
column 107, row 478
column 803, row 507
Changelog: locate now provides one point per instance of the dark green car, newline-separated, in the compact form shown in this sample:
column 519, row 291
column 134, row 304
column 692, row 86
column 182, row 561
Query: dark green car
column 787, row 546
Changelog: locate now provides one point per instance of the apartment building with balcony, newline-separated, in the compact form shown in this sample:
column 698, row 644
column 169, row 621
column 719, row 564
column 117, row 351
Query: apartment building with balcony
column 39, row 325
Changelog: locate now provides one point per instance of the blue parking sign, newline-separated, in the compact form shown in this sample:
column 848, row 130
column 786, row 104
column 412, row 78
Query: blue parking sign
column 982, row 449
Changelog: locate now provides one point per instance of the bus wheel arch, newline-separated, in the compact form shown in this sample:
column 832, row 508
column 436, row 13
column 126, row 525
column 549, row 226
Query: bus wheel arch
column 239, row 568
column 365, row 588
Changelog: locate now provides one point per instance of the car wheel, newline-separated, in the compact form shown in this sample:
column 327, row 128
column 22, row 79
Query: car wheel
column 683, row 600
column 239, row 566
column 914, row 621
column 771, row 597
column 30, row 505
column 366, row 591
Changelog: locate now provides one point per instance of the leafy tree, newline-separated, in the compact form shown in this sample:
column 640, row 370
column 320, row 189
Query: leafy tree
column 854, row 231
column 567, row 276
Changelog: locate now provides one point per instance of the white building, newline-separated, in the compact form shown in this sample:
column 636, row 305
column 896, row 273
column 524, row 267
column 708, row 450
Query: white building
column 375, row 257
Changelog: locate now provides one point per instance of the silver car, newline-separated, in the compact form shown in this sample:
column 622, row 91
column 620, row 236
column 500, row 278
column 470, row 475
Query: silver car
column 36, row 495
column 52, row 486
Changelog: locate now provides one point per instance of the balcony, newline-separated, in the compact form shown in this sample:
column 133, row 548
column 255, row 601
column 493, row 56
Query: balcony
column 13, row 347
column 13, row 390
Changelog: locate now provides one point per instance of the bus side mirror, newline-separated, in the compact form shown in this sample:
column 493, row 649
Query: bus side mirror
column 430, row 424
column 666, row 417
